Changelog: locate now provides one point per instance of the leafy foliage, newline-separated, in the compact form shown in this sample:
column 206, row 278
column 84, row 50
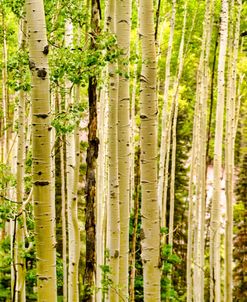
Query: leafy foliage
column 18, row 71
column 169, row 259
column 66, row 121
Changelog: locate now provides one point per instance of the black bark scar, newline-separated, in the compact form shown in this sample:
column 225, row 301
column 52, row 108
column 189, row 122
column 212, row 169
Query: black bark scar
column 46, row 50
column 31, row 65
column 42, row 73
column 41, row 115
column 41, row 183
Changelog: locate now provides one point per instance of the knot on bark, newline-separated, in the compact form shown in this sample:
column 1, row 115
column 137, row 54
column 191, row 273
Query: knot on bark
column 41, row 73
column 46, row 50
column 41, row 183
column 31, row 65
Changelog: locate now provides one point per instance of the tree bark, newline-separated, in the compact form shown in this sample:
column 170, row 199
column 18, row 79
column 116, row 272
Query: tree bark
column 233, row 45
column 215, row 294
column 113, row 232
column 123, row 26
column 44, row 205
column 20, row 190
column 166, row 128
column 92, row 154
column 148, row 158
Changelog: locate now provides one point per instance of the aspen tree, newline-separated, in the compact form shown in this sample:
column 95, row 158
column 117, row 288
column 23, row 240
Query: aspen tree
column 201, row 169
column 215, row 294
column 228, row 155
column 134, row 173
column 44, row 207
column 175, row 101
column 197, row 182
column 191, row 212
column 101, row 189
column 64, row 230
column 74, row 215
column 135, row 226
column 102, row 179
column 20, row 263
column 133, row 133
column 92, row 154
column 12, row 224
column 135, row 187
column 133, row 126
column 123, row 13
column 166, row 129
column 113, row 199
column 233, row 45
column 150, row 234
column 71, row 188
column 5, row 97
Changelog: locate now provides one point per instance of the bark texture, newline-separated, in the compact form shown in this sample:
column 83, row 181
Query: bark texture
column 20, row 170
column 150, row 233
column 113, row 232
column 44, row 205
column 92, row 154
column 231, row 120
column 215, row 292
column 123, row 13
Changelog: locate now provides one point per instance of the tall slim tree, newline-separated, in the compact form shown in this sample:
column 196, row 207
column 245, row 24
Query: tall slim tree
column 113, row 232
column 92, row 154
column 5, row 97
column 166, row 126
column 123, row 13
column 101, row 188
column 198, row 167
column 233, row 46
column 20, row 263
column 174, row 128
column 44, row 206
column 148, row 136
column 72, row 165
column 215, row 293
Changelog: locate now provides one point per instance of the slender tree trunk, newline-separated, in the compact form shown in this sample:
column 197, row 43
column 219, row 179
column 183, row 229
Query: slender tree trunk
column 63, row 215
column 134, row 235
column 215, row 294
column 20, row 262
column 92, row 154
column 134, row 177
column 198, row 169
column 202, row 147
column 229, row 145
column 44, row 205
column 175, row 101
column 133, row 134
column 123, row 25
column 211, row 102
column 148, row 158
column 165, row 127
column 101, row 188
column 113, row 203
column 74, row 215
column 71, row 187
column 5, row 98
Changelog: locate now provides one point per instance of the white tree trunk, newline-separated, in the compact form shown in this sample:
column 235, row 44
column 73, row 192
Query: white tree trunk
column 215, row 292
column 150, row 233
column 44, row 205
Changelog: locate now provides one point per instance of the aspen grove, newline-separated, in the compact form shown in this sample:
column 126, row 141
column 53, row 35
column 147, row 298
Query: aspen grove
column 123, row 150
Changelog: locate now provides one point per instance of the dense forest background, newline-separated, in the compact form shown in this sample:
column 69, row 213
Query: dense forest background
column 123, row 150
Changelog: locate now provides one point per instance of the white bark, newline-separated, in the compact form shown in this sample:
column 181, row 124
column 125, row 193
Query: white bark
column 165, row 128
column 148, row 136
column 215, row 292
